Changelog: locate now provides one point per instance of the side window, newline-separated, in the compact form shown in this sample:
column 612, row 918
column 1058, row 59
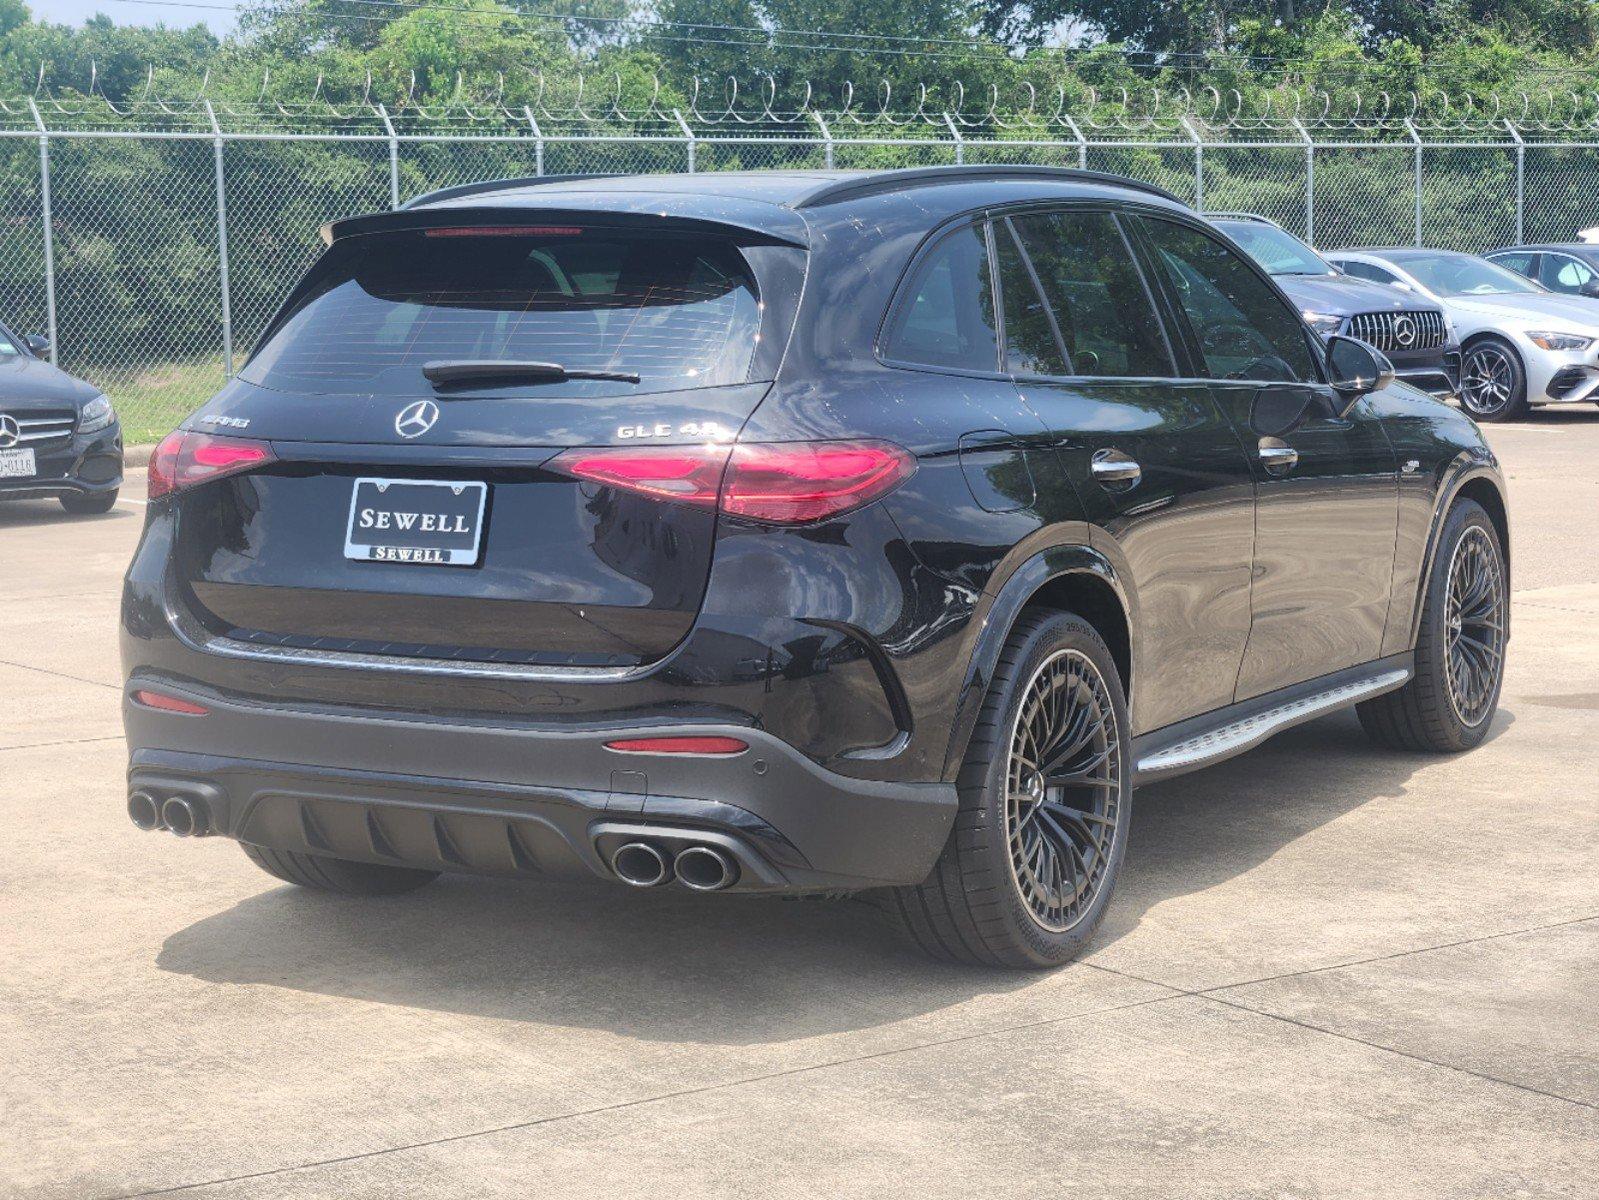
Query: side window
column 1244, row 330
column 1095, row 293
column 944, row 315
column 1032, row 345
column 1365, row 270
column 1519, row 261
column 1564, row 274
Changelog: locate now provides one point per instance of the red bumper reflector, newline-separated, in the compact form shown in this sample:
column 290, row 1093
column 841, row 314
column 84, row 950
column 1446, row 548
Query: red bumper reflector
column 679, row 745
column 169, row 704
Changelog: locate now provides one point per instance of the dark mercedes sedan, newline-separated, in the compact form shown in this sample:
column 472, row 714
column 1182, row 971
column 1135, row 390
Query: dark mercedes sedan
column 58, row 435
column 790, row 533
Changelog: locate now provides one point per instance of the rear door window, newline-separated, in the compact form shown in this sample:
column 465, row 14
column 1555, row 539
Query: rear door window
column 1243, row 329
column 678, row 311
column 1103, row 311
column 944, row 316
column 1562, row 273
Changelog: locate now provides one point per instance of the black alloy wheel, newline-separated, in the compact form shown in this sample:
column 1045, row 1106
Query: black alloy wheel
column 1474, row 622
column 1450, row 700
column 1064, row 785
column 1493, row 386
column 1045, row 800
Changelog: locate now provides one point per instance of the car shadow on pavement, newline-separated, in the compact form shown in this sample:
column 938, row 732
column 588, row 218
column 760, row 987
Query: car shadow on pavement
column 673, row 966
column 19, row 514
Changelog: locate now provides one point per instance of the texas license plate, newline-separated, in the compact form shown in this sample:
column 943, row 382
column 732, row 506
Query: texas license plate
column 17, row 464
column 427, row 521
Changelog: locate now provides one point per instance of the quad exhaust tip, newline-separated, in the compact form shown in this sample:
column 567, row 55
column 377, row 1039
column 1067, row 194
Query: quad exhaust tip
column 144, row 811
column 705, row 869
column 185, row 818
column 641, row 865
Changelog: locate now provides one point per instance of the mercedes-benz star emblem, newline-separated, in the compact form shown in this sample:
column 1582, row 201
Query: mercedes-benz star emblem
column 416, row 419
column 1404, row 330
column 10, row 431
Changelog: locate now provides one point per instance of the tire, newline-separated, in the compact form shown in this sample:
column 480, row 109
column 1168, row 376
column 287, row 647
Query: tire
column 337, row 874
column 1493, row 382
column 1429, row 713
column 975, row 907
column 84, row 506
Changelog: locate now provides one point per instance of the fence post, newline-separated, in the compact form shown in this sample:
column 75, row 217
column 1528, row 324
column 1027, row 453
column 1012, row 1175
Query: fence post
column 827, row 139
column 1199, row 163
column 1082, row 142
column 1416, row 140
column 538, row 139
column 222, row 244
column 960, row 142
column 1310, row 181
column 394, row 157
column 688, row 135
column 1521, row 182
column 47, row 214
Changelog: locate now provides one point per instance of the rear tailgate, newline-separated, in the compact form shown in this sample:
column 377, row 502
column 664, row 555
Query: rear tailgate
column 398, row 517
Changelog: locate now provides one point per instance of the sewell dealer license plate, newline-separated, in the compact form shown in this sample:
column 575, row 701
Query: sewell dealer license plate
column 17, row 464
column 429, row 521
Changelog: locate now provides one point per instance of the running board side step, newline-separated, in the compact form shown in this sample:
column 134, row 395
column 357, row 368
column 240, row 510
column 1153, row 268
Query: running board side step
column 1212, row 745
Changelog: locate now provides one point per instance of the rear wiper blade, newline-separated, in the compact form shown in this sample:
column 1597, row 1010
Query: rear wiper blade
column 447, row 372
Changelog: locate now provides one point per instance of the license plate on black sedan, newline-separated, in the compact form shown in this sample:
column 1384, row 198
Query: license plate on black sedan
column 428, row 521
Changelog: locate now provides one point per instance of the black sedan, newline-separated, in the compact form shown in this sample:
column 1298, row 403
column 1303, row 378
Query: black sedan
column 1571, row 268
column 58, row 435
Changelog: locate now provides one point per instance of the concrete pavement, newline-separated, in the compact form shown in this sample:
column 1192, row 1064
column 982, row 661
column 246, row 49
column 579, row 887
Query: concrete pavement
column 1330, row 971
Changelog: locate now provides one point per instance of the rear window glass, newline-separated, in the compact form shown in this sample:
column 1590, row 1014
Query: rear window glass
column 679, row 312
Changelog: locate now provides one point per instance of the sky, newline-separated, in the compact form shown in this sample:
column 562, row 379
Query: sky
column 75, row 12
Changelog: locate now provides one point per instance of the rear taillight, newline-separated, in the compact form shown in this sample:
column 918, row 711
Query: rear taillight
column 783, row 483
column 183, row 460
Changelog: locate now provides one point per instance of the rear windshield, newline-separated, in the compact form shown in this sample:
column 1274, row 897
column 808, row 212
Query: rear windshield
column 678, row 311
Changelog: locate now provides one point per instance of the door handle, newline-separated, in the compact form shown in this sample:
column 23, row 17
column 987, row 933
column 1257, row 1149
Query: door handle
column 1115, row 467
column 1278, row 455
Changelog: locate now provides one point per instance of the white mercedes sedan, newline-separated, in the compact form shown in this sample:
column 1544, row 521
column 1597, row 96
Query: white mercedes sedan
column 1521, row 344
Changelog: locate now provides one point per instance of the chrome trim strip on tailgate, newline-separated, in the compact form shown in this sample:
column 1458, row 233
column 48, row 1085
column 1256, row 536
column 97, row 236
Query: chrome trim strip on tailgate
column 197, row 637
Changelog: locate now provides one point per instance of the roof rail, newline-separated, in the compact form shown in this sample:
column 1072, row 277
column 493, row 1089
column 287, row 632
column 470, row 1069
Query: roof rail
column 1242, row 216
column 495, row 185
column 894, row 180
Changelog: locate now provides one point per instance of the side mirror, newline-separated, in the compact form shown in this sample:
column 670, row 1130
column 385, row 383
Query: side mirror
column 1401, row 285
column 38, row 343
column 1358, row 368
column 1590, row 289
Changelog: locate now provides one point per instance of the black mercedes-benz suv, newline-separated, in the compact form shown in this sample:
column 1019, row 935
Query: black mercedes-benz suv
column 58, row 435
column 790, row 533
column 1415, row 334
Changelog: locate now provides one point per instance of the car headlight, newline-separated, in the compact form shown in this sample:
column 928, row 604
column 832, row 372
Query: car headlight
column 1325, row 324
column 96, row 415
column 1560, row 341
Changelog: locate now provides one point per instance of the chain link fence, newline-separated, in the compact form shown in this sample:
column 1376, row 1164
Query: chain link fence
column 152, row 242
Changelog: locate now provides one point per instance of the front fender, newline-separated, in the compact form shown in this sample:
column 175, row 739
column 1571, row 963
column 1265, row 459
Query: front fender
column 997, row 611
column 1453, row 478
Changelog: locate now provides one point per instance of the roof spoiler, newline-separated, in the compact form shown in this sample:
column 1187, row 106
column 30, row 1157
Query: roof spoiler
column 745, row 226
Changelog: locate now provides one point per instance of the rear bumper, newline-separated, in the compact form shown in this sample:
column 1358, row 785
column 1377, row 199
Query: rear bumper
column 467, row 795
